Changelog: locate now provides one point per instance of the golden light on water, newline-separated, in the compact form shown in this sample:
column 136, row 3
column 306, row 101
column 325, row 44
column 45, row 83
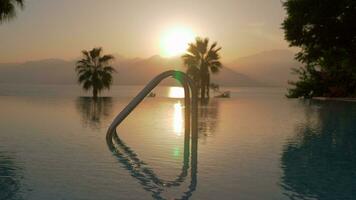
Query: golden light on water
column 178, row 121
column 176, row 92
column 175, row 41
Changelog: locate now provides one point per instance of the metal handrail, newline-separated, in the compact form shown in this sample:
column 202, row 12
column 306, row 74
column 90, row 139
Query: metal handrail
column 191, row 104
column 127, row 157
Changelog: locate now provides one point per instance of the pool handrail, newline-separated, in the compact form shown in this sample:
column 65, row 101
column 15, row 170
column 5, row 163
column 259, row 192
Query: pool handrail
column 191, row 103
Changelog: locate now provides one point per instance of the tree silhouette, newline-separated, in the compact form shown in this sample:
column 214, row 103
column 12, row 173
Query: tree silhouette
column 202, row 60
column 8, row 9
column 325, row 32
column 94, row 71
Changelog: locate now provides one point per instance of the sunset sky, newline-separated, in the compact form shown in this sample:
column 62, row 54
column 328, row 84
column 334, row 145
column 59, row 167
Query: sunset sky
column 139, row 28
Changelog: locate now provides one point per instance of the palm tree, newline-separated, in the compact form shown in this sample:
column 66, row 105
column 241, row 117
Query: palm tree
column 8, row 8
column 94, row 71
column 202, row 60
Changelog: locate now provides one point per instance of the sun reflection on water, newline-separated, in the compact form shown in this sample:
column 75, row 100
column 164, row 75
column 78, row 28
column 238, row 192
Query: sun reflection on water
column 178, row 121
column 176, row 92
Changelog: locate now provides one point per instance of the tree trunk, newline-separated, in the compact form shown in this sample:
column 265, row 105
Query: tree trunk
column 208, row 86
column 203, row 89
column 95, row 93
column 202, row 82
column 202, row 92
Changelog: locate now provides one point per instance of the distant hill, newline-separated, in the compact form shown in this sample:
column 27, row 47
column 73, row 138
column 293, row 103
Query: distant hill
column 139, row 71
column 50, row 71
column 269, row 67
column 265, row 68
column 136, row 71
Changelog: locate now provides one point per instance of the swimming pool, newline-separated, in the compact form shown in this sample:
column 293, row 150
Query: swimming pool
column 255, row 145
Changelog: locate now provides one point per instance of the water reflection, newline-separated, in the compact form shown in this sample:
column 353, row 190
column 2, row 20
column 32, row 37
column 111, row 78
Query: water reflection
column 147, row 177
column 320, row 161
column 93, row 111
column 178, row 121
column 208, row 118
column 9, row 178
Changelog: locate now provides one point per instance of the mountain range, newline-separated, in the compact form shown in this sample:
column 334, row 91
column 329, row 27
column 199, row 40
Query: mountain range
column 270, row 68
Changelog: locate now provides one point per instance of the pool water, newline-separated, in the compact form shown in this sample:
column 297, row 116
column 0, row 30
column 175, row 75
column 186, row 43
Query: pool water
column 255, row 145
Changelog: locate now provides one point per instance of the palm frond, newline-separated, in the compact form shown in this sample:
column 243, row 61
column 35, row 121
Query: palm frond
column 212, row 47
column 84, row 63
column 86, row 55
column 8, row 9
column 193, row 50
column 106, row 58
column 87, row 85
column 215, row 68
column 95, row 53
column 201, row 45
column 109, row 69
column 80, row 68
column 84, row 76
column 18, row 2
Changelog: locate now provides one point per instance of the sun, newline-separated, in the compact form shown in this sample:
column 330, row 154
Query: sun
column 175, row 41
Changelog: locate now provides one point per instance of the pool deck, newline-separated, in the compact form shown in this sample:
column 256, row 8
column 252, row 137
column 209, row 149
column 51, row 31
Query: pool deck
column 335, row 99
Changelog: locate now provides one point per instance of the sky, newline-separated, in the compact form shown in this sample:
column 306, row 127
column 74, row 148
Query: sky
column 136, row 28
